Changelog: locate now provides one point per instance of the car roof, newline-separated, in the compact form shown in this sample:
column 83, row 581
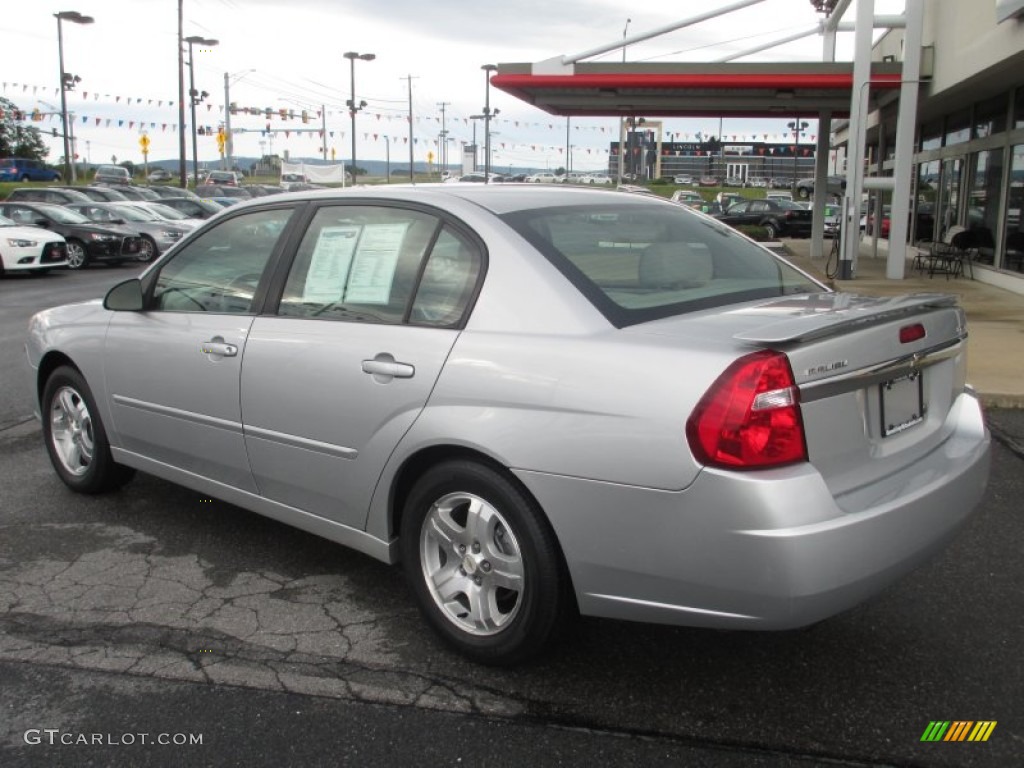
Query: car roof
column 499, row 199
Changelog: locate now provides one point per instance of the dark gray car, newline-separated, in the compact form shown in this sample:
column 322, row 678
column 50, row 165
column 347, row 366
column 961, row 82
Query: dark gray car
column 157, row 235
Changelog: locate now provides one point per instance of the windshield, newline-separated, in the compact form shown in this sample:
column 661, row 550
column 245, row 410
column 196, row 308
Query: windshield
column 66, row 215
column 166, row 212
column 643, row 262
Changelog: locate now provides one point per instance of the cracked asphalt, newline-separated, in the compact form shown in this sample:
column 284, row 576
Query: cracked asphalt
column 155, row 610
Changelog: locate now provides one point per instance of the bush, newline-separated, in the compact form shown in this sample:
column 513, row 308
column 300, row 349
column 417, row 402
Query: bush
column 661, row 180
column 754, row 232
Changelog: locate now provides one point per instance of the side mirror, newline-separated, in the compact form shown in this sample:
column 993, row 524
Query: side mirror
column 124, row 297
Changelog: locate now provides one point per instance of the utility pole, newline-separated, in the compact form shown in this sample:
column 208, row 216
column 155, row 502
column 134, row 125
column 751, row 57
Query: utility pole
column 182, row 173
column 412, row 157
column 443, row 149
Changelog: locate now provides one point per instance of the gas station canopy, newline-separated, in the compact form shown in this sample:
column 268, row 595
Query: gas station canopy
column 694, row 90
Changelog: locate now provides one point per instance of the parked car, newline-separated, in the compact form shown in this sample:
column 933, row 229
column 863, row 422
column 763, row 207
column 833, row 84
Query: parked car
column 478, row 177
column 686, row 181
column 159, row 174
column 139, row 193
column 262, row 190
column 25, row 169
column 193, row 209
column 53, row 195
column 157, row 234
column 709, row 181
column 164, row 212
column 102, row 194
column 523, row 465
column 288, row 179
column 835, row 185
column 86, row 241
column 29, row 249
column 224, row 178
column 757, row 183
column 734, row 181
column 541, row 178
column 776, row 195
column 596, row 178
column 219, row 190
column 726, row 199
column 164, row 192
column 687, row 197
column 780, row 218
column 112, row 174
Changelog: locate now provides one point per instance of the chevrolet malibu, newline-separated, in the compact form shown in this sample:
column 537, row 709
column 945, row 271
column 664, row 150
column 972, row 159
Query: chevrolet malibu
column 541, row 400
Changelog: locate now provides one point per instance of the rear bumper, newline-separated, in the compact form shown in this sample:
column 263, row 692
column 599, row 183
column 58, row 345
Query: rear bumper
column 761, row 550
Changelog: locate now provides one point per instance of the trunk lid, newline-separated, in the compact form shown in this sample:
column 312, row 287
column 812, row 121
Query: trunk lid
column 877, row 376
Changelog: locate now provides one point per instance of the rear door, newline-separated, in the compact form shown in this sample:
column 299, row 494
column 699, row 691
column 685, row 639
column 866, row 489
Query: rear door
column 370, row 309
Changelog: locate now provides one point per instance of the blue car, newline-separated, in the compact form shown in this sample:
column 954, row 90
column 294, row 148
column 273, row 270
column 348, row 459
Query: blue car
column 23, row 169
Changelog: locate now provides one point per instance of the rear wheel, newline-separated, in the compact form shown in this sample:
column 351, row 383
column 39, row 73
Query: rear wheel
column 771, row 229
column 483, row 563
column 77, row 257
column 803, row 193
column 75, row 437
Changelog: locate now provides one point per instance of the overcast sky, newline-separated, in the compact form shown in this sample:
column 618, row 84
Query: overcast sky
column 288, row 54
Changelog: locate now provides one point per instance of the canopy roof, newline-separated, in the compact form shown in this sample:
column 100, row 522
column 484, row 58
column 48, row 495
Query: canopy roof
column 691, row 90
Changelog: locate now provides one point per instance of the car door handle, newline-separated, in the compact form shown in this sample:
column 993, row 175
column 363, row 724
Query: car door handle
column 219, row 348
column 389, row 368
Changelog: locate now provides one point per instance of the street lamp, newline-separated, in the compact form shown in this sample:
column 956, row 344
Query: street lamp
column 474, row 118
column 488, row 68
column 229, row 148
column 195, row 97
column 67, row 82
column 798, row 129
column 354, row 106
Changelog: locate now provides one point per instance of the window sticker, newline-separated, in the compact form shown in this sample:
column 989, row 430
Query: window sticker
column 374, row 264
column 330, row 263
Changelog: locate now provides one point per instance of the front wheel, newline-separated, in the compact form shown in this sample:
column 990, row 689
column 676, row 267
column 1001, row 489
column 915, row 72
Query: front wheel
column 803, row 193
column 483, row 563
column 772, row 230
column 77, row 257
column 147, row 250
column 75, row 437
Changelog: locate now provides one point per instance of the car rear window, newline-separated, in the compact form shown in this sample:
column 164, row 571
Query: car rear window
column 644, row 262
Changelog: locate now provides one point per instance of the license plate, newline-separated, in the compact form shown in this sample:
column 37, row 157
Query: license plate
column 902, row 403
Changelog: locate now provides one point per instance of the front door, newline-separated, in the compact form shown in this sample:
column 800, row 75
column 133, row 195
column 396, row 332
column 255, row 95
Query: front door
column 185, row 411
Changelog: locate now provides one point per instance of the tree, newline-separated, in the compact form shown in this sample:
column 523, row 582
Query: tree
column 17, row 140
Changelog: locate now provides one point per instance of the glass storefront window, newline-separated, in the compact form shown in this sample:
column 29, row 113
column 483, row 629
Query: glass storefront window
column 990, row 116
column 931, row 135
column 927, row 194
column 1014, row 255
column 958, row 127
column 983, row 201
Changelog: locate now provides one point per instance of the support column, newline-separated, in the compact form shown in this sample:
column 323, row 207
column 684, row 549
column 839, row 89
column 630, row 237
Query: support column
column 820, row 183
column 905, row 123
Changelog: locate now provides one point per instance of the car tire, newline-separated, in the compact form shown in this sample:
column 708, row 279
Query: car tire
column 803, row 193
column 771, row 229
column 147, row 250
column 483, row 563
column 75, row 437
column 77, row 256
column 24, row 177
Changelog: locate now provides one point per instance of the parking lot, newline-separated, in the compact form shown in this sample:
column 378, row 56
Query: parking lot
column 156, row 610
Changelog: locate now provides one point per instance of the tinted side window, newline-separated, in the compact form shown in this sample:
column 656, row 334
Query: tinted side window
column 358, row 263
column 220, row 270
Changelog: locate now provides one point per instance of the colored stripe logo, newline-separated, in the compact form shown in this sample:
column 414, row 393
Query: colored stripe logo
column 958, row 730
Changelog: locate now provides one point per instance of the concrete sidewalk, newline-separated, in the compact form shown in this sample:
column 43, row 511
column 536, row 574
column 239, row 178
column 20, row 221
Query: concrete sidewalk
column 995, row 317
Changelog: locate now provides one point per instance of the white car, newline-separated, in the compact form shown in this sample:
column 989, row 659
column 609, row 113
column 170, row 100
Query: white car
column 596, row 178
column 163, row 212
column 29, row 249
column 686, row 181
column 543, row 178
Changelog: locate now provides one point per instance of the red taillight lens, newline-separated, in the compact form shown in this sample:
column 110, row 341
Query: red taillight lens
column 750, row 417
column 909, row 333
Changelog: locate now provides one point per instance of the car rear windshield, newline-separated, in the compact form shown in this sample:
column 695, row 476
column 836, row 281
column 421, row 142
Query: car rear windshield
column 643, row 262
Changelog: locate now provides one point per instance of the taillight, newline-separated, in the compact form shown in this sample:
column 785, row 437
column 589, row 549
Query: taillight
column 909, row 333
column 750, row 417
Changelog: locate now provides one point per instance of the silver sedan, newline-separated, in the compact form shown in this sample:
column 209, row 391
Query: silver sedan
column 541, row 400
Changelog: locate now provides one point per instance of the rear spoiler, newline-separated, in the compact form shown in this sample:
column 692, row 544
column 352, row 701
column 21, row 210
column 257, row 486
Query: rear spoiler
column 824, row 315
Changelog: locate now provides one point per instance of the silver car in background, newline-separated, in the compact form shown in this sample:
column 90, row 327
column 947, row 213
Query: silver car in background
column 542, row 400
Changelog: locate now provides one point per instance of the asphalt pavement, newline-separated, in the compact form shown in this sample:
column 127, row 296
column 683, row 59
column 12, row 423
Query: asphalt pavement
column 156, row 611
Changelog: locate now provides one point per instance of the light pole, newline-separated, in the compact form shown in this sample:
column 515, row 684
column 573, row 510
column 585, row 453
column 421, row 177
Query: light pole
column 387, row 157
column 353, row 105
column 622, row 118
column 488, row 68
column 229, row 148
column 195, row 97
column 67, row 82
column 474, row 118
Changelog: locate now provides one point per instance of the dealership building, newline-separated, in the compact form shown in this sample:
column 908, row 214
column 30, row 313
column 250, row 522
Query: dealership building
column 928, row 119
